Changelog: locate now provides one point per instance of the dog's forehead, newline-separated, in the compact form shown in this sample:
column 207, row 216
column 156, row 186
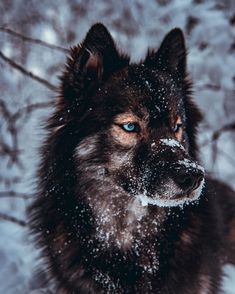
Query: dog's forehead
column 157, row 85
column 144, row 90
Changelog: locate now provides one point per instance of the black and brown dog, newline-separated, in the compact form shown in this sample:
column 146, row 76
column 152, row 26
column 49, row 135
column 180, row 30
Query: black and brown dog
column 122, row 205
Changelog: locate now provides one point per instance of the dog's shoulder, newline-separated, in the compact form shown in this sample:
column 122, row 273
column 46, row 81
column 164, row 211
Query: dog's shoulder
column 224, row 194
column 223, row 198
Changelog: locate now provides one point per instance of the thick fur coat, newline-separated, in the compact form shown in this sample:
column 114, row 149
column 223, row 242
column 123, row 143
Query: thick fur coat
column 123, row 205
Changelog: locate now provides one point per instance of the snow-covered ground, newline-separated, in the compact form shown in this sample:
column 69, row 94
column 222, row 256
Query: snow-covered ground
column 209, row 28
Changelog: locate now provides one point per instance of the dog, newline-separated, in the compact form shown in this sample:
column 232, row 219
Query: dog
column 123, row 206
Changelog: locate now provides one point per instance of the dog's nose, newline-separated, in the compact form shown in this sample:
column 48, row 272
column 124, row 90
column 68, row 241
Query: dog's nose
column 189, row 181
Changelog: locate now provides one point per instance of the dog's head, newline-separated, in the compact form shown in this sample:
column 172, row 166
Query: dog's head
column 135, row 123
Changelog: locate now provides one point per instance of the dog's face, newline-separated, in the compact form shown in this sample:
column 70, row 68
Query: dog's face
column 134, row 120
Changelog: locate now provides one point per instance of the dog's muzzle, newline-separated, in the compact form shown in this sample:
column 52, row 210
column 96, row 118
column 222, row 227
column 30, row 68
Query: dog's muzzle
column 188, row 175
column 182, row 182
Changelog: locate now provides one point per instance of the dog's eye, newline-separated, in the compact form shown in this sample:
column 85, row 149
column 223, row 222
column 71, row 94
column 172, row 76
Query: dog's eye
column 130, row 127
column 177, row 127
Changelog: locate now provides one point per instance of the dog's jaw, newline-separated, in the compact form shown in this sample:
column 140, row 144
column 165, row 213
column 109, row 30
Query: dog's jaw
column 167, row 201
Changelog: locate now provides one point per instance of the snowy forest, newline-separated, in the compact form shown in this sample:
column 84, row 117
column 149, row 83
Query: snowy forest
column 35, row 37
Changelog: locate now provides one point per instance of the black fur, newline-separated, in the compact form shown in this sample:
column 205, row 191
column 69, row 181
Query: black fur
column 95, row 233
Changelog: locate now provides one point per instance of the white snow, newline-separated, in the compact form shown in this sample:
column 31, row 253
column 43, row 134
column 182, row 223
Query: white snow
column 191, row 164
column 172, row 143
column 166, row 201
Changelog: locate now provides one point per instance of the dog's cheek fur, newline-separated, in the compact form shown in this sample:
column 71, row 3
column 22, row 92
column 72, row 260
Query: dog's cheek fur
column 193, row 118
column 114, row 222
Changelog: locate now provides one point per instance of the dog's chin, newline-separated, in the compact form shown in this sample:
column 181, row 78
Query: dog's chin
column 179, row 199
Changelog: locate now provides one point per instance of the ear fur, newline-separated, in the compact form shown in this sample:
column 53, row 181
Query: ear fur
column 171, row 56
column 90, row 63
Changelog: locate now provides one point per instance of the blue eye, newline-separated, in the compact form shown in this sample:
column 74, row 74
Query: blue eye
column 130, row 127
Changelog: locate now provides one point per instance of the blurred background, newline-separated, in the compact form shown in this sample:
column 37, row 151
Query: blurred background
column 34, row 39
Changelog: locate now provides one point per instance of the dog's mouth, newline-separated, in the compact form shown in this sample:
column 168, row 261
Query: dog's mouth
column 167, row 196
column 180, row 187
column 171, row 199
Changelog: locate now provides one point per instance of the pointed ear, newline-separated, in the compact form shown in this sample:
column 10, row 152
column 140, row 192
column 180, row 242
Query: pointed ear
column 91, row 62
column 171, row 56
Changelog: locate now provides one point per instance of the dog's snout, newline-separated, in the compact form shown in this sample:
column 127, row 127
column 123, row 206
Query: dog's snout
column 189, row 181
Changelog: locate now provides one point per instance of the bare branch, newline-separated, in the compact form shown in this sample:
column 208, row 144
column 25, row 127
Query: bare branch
column 24, row 71
column 12, row 117
column 4, row 194
column 225, row 128
column 12, row 219
column 4, row 110
column 212, row 87
column 13, row 151
column 34, row 41
column 29, row 108
column 216, row 135
column 5, row 149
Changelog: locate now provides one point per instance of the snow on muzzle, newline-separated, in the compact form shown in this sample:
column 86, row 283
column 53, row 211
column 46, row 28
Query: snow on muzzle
column 178, row 181
column 183, row 184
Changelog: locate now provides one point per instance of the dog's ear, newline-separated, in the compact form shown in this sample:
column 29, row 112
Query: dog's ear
column 171, row 56
column 90, row 63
